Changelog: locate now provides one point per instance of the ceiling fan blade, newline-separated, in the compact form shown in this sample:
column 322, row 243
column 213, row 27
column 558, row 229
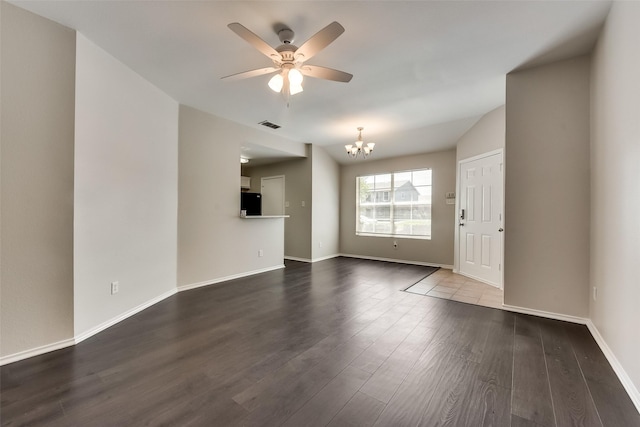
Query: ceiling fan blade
column 252, row 73
column 254, row 40
column 325, row 73
column 319, row 41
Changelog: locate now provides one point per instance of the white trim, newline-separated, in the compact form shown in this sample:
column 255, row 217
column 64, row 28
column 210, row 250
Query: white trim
column 624, row 378
column 481, row 156
column 295, row 258
column 91, row 332
column 400, row 261
column 478, row 279
column 456, row 231
column 32, row 352
column 325, row 257
column 546, row 314
column 226, row 278
column 101, row 327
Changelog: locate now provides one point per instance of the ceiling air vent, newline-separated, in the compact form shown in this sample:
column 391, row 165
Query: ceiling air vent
column 269, row 124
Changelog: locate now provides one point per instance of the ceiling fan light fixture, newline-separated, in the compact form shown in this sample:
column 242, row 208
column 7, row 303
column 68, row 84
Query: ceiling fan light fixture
column 288, row 59
column 295, row 77
column 293, row 89
column 276, row 83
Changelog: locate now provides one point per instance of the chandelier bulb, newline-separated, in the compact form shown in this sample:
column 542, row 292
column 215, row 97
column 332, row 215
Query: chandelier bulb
column 359, row 146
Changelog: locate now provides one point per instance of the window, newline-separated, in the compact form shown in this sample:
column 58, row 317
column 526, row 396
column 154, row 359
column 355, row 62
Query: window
column 394, row 204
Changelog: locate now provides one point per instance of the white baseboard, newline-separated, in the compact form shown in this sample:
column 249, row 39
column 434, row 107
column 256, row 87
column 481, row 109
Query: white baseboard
column 224, row 279
column 295, row 258
column 546, row 314
column 624, row 378
column 400, row 261
column 21, row 355
column 325, row 257
column 101, row 327
column 478, row 279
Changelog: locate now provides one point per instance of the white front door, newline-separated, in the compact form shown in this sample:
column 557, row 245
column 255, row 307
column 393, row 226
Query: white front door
column 480, row 219
column 272, row 189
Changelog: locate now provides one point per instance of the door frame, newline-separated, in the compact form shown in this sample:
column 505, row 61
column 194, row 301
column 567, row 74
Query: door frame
column 282, row 178
column 456, row 243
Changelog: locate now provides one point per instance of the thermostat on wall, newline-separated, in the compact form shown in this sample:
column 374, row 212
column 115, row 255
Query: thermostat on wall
column 451, row 198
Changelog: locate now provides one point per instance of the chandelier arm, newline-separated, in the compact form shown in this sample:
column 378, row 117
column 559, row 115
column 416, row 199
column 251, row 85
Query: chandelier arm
column 359, row 148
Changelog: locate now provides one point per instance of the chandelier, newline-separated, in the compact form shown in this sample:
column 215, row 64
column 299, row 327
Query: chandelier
column 358, row 147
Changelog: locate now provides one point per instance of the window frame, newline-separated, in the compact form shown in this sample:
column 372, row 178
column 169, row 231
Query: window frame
column 392, row 203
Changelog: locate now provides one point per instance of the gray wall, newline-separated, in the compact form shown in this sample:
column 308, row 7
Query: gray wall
column 488, row 134
column 37, row 113
column 326, row 205
column 438, row 250
column 298, row 189
column 615, row 184
column 126, row 189
column 547, row 188
column 214, row 243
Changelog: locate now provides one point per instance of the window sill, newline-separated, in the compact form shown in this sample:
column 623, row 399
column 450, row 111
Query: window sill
column 394, row 236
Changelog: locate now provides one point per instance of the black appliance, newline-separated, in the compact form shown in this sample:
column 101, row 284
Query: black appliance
column 252, row 203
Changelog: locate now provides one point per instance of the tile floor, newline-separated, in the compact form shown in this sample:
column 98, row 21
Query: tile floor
column 448, row 285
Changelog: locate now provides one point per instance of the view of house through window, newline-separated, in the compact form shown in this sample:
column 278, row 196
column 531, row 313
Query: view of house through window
column 394, row 204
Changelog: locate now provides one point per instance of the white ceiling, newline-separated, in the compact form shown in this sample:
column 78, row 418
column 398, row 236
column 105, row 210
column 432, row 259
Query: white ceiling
column 424, row 71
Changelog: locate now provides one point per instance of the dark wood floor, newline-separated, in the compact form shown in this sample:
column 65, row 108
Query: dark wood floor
column 332, row 343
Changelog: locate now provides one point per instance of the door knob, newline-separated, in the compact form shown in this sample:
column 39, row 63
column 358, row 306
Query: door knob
column 501, row 229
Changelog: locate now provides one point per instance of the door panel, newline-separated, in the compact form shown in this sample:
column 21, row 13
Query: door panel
column 480, row 241
column 471, row 205
column 470, row 246
column 272, row 189
column 486, row 251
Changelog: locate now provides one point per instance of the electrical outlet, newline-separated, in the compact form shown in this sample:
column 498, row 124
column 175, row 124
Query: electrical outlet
column 260, row 252
column 320, row 244
column 115, row 287
column 303, row 204
column 595, row 293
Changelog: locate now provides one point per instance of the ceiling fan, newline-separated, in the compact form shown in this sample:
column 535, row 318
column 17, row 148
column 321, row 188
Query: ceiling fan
column 289, row 60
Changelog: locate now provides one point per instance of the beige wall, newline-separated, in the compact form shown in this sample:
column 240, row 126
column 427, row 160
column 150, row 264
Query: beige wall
column 326, row 205
column 297, row 173
column 213, row 241
column 547, row 188
column 438, row 250
column 37, row 113
column 126, row 189
column 615, row 187
column 486, row 135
